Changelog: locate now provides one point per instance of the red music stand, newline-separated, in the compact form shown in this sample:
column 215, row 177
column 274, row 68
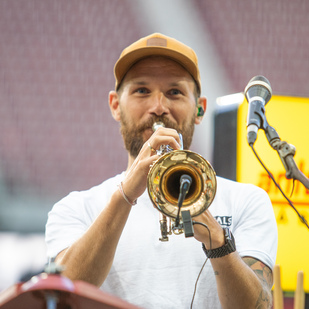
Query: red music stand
column 51, row 291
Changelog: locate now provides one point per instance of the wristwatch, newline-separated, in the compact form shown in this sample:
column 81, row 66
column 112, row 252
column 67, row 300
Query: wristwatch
column 226, row 249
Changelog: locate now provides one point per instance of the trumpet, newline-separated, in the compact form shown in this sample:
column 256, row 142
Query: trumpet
column 163, row 182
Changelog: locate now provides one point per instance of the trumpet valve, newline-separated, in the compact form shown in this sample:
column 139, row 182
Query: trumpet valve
column 165, row 226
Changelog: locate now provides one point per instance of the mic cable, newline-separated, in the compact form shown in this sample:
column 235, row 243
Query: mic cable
column 198, row 277
column 302, row 218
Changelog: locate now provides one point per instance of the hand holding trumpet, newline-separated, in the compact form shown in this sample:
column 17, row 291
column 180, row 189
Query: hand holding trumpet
column 136, row 176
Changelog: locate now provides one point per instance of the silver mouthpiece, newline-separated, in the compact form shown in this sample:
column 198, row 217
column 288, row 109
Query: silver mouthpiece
column 157, row 125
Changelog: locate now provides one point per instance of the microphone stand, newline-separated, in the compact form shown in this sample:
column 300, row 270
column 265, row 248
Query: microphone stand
column 286, row 153
column 258, row 92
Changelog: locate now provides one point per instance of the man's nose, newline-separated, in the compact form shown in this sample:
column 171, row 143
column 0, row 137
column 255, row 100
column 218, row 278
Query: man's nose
column 159, row 104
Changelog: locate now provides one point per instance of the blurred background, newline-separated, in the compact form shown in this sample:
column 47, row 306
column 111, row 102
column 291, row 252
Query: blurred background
column 56, row 69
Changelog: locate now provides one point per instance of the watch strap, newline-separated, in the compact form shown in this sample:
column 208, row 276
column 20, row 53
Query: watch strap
column 224, row 250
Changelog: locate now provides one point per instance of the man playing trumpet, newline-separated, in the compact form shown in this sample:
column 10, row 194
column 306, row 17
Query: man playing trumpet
column 108, row 235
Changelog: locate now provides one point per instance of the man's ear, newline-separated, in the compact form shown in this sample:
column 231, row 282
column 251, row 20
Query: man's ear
column 113, row 99
column 200, row 109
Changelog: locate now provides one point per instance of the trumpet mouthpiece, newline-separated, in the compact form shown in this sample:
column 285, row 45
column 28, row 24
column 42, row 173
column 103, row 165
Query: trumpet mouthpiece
column 157, row 125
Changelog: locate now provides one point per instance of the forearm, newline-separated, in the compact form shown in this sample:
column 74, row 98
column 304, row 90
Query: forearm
column 238, row 285
column 241, row 283
column 90, row 258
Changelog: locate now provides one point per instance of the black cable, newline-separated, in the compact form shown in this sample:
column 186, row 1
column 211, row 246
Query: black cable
column 198, row 277
column 196, row 282
column 277, row 185
column 205, row 226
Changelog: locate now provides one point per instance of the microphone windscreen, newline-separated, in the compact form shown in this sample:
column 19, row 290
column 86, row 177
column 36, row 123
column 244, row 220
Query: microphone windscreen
column 259, row 78
column 258, row 86
column 185, row 177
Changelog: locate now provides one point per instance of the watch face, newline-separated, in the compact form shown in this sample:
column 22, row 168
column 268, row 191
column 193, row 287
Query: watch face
column 229, row 238
column 227, row 233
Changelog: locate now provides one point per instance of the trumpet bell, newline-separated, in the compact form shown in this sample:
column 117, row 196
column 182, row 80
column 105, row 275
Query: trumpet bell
column 163, row 183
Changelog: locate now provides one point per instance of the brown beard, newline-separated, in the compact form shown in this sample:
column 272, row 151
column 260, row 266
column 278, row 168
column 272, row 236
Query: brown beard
column 133, row 135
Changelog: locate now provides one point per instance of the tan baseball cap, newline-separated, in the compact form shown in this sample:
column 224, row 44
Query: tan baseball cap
column 157, row 45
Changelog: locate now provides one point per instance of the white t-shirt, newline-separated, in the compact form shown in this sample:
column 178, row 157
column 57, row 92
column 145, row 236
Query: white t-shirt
column 154, row 274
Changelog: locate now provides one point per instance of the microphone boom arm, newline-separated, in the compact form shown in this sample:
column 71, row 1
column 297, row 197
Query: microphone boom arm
column 286, row 153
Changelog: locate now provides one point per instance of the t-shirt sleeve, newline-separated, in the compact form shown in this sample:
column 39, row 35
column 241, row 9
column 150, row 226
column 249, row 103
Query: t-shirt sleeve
column 65, row 224
column 256, row 230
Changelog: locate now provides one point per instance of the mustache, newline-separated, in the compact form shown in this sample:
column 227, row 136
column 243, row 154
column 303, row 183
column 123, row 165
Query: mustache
column 149, row 123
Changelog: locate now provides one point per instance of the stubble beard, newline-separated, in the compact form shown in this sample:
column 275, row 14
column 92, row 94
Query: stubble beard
column 133, row 135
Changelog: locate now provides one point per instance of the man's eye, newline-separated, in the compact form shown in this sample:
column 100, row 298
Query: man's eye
column 174, row 92
column 142, row 90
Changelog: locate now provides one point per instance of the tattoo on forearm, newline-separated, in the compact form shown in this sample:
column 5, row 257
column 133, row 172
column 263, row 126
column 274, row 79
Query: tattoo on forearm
column 264, row 298
column 264, row 273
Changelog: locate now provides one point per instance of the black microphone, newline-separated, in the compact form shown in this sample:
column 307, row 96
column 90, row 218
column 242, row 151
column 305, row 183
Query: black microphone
column 185, row 183
column 258, row 92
